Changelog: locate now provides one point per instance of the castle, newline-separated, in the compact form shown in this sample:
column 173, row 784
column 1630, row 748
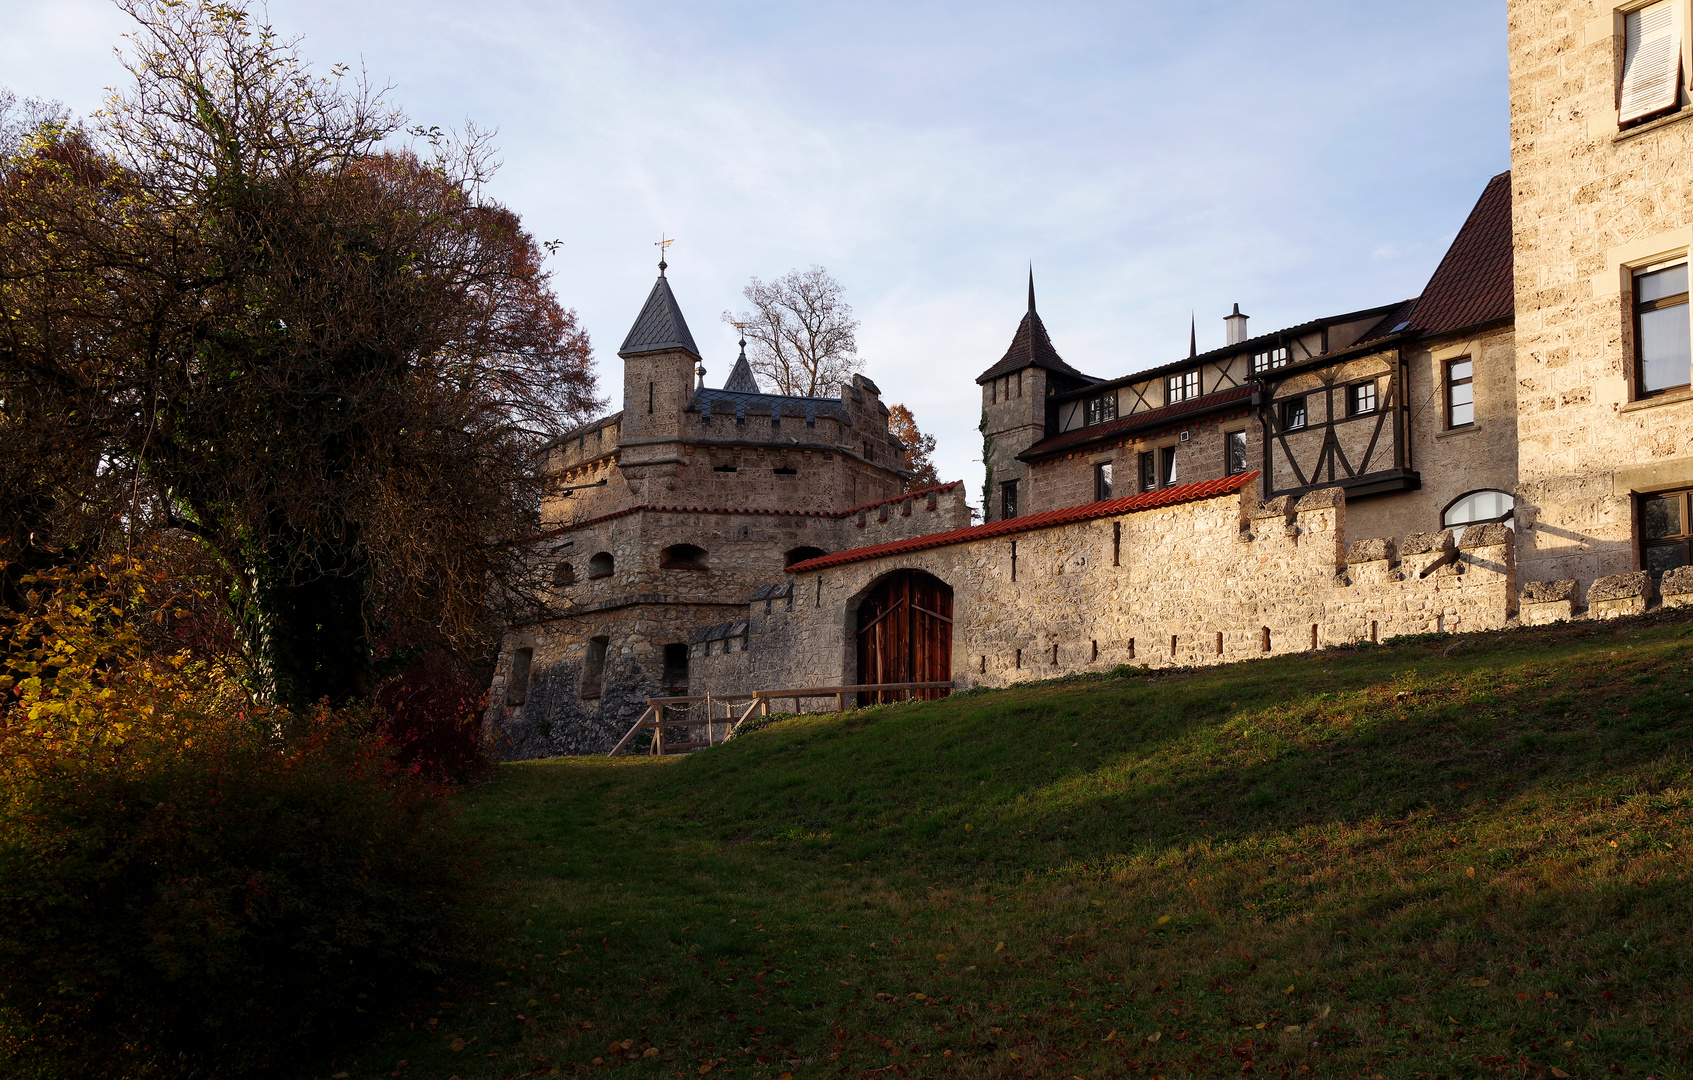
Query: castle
column 1513, row 444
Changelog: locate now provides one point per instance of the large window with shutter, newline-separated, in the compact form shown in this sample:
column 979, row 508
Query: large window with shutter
column 1651, row 66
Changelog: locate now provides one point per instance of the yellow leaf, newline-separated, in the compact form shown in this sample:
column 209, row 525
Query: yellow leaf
column 1289, row 989
column 1470, row 872
column 652, row 1052
column 968, row 827
column 1155, row 1036
column 1162, row 919
column 1000, row 947
column 1479, row 981
column 1291, row 1029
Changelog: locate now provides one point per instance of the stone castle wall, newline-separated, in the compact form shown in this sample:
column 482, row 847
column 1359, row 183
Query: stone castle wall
column 1211, row 581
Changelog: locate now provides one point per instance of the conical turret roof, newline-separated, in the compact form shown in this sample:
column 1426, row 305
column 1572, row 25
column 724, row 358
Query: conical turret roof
column 1031, row 347
column 660, row 325
column 741, row 379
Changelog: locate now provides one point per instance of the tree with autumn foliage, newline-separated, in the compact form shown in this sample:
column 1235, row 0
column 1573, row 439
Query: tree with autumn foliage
column 248, row 305
column 918, row 449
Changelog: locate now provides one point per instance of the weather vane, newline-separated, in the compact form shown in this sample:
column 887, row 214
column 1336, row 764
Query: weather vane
column 662, row 245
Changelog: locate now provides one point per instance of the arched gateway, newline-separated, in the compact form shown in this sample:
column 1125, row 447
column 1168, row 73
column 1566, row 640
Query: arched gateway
column 905, row 635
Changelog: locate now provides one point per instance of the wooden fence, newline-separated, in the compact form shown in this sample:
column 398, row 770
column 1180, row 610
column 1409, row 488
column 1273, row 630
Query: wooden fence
column 656, row 720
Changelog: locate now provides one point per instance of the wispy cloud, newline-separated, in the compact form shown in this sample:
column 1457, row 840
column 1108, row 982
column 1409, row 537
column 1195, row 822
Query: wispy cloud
column 1151, row 159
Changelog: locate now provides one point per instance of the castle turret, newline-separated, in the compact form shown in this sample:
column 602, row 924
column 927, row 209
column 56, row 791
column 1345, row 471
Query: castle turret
column 659, row 361
column 1015, row 410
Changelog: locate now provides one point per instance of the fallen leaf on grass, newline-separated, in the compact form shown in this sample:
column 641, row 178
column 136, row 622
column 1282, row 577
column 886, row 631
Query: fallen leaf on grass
column 1162, row 919
column 456, row 1045
column 1479, row 981
column 1000, row 947
column 1111, row 1036
column 1155, row 1036
column 1559, row 1073
column 651, row 1052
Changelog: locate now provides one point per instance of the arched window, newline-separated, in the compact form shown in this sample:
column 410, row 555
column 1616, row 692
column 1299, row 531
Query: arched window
column 593, row 667
column 800, row 554
column 1478, row 508
column 600, row 565
column 682, row 557
column 564, row 574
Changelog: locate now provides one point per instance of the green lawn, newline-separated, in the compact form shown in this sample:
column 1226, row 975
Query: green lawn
column 1440, row 857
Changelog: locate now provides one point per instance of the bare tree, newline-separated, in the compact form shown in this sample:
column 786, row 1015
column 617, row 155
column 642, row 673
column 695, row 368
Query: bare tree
column 801, row 332
column 919, row 449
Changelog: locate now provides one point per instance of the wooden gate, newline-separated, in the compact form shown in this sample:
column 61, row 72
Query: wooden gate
column 905, row 635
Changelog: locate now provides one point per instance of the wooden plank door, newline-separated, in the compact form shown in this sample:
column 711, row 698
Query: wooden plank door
column 905, row 635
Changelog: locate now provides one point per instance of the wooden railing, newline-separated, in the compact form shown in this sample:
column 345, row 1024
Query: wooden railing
column 654, row 718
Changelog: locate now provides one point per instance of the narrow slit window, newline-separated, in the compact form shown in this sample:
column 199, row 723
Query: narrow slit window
column 1167, row 467
column 1102, row 481
column 1148, row 471
column 1008, row 499
column 593, row 667
column 517, row 686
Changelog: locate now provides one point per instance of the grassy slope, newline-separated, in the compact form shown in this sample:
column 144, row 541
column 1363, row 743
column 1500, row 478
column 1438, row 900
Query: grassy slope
column 1397, row 861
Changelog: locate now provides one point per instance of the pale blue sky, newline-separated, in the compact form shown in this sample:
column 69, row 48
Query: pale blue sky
column 1299, row 158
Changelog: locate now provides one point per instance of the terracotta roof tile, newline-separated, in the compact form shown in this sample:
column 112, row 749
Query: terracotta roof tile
column 1205, row 489
column 1137, row 421
column 1473, row 284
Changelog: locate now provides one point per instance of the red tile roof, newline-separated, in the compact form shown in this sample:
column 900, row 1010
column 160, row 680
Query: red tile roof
column 1205, row 489
column 626, row 511
column 1138, row 421
column 1473, row 284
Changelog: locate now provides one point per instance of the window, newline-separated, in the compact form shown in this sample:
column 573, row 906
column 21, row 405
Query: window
column 1100, row 409
column 1477, row 508
column 1234, row 452
column 517, row 686
column 1008, row 499
column 676, row 668
column 1271, row 358
column 682, row 557
column 1666, row 532
column 1662, row 355
column 593, row 667
column 1293, row 414
column 1102, row 481
column 783, row 470
column 564, row 574
column 1651, row 65
column 1167, row 466
column 600, row 565
column 1361, row 398
column 1181, row 387
column 1148, row 471
column 1460, row 392
column 800, row 554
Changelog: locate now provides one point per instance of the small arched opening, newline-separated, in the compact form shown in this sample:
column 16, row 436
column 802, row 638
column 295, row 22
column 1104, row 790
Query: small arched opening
column 1478, row 508
column 905, row 635
column 682, row 557
column 800, row 554
column 564, row 574
column 601, row 565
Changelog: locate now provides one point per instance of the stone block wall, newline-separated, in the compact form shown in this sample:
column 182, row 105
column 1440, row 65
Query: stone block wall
column 1206, row 582
column 1590, row 201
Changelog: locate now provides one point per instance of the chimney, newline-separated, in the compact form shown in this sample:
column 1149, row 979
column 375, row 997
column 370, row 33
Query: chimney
column 1236, row 324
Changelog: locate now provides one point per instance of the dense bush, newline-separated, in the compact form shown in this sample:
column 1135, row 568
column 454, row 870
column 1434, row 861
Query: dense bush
column 193, row 884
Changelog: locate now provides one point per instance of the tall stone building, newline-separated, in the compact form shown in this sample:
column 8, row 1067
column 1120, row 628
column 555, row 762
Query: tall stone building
column 666, row 515
column 1513, row 444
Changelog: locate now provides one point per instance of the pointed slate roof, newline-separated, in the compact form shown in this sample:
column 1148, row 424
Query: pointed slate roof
column 741, row 380
column 660, row 324
column 1474, row 283
column 1030, row 347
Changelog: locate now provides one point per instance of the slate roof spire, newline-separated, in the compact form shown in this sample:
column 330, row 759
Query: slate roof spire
column 660, row 325
column 741, row 380
column 1031, row 347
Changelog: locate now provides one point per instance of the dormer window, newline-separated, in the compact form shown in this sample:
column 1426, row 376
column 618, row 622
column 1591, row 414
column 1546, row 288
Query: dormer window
column 1101, row 409
column 1269, row 359
column 1183, row 387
